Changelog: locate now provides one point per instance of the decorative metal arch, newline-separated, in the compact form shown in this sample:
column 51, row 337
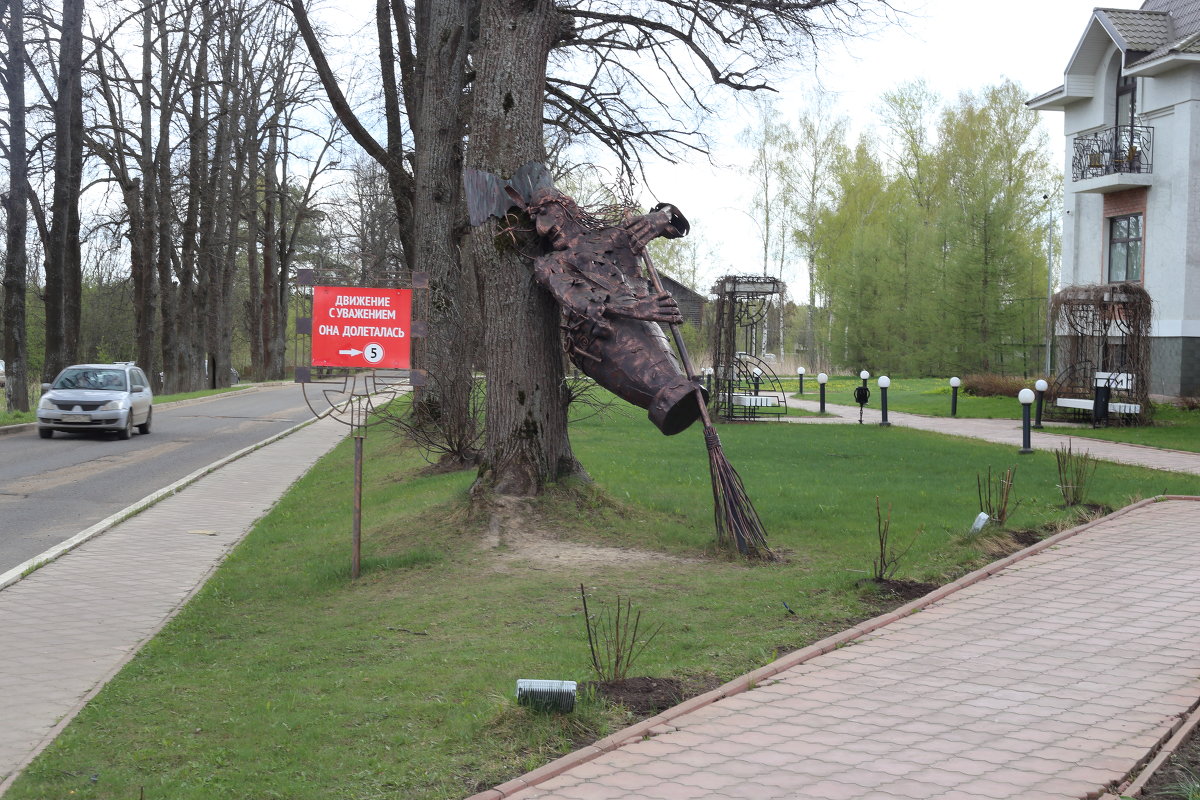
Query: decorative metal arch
column 1102, row 329
column 743, row 303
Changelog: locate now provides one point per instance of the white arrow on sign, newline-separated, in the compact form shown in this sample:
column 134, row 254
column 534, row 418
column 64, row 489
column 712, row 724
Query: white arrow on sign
column 349, row 352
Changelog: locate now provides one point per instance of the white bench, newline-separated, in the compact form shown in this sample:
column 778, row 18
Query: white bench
column 1113, row 380
column 755, row 400
column 1088, row 405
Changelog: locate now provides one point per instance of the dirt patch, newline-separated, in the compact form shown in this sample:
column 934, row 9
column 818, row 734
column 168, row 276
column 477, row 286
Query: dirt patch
column 903, row 590
column 645, row 697
column 1025, row 538
column 514, row 534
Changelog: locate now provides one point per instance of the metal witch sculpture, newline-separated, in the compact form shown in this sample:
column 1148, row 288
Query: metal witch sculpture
column 612, row 315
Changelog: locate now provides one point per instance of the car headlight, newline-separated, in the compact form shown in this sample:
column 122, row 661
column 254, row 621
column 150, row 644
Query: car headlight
column 45, row 403
column 112, row 405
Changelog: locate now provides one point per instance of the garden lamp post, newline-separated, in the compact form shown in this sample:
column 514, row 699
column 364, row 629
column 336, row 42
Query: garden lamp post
column 822, row 379
column 954, row 384
column 708, row 377
column 884, row 383
column 757, row 373
column 1041, row 386
column 800, row 377
column 1026, row 398
column 862, row 394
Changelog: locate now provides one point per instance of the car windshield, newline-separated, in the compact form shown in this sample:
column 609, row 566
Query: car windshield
column 91, row 378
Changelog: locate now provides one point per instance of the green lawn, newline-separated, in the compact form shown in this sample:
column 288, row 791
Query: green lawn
column 1172, row 427
column 282, row 679
column 928, row 396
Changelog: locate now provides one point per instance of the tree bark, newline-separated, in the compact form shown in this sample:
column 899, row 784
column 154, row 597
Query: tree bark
column 526, row 440
column 63, row 279
column 16, row 208
column 437, row 111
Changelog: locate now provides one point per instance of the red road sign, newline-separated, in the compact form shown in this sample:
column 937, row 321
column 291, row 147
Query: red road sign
column 355, row 327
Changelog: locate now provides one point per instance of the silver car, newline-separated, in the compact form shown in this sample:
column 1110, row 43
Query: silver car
column 96, row 397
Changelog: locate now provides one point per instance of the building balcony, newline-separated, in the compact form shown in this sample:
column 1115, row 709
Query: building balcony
column 1121, row 157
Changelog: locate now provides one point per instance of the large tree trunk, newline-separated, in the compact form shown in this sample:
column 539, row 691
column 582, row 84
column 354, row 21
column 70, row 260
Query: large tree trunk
column 62, row 252
column 143, row 241
column 438, row 128
column 526, row 441
column 16, row 208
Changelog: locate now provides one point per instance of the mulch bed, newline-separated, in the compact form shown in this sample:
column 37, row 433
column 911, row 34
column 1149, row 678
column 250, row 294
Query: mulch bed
column 645, row 697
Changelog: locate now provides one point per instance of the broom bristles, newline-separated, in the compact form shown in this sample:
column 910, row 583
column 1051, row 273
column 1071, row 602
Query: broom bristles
column 737, row 522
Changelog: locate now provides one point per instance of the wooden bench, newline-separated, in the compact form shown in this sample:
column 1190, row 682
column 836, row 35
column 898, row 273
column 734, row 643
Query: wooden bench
column 1112, row 380
column 755, row 400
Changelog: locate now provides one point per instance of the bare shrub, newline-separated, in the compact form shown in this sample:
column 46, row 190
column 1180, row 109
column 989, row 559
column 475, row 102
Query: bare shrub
column 988, row 385
column 613, row 638
column 994, row 498
column 888, row 561
column 1074, row 471
column 453, row 441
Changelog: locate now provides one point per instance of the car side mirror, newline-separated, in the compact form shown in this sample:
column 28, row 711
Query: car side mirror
column 137, row 387
column 45, row 387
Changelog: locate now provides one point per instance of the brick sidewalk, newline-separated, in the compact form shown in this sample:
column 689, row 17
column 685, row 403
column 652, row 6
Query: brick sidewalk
column 66, row 629
column 1053, row 678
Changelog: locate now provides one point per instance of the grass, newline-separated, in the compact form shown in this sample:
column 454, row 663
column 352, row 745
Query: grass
column 928, row 396
column 17, row 417
column 1173, row 427
column 282, row 679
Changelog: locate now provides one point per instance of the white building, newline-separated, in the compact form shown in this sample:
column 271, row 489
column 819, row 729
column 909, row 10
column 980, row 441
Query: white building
column 1131, row 103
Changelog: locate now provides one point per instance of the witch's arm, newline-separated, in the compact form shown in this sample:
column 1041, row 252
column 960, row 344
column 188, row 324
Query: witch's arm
column 664, row 220
column 589, row 298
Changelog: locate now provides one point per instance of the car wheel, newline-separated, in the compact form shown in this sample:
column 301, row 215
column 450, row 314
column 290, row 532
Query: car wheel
column 144, row 428
column 46, row 433
column 127, row 431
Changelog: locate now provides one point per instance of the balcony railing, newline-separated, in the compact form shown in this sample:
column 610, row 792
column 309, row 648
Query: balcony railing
column 1123, row 148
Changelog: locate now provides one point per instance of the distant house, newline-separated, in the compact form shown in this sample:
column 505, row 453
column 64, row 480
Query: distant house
column 1131, row 103
column 691, row 304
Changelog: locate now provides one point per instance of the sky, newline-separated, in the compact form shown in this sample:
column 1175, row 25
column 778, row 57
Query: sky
column 954, row 45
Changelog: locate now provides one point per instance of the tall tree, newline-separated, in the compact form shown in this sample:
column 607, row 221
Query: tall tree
column 820, row 142
column 526, row 436
column 63, row 260
column 16, row 205
column 772, row 171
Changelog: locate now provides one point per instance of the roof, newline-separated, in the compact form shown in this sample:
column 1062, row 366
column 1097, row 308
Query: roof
column 1156, row 31
column 1159, row 36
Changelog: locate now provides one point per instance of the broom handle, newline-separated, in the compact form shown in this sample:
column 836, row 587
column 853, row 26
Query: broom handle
column 679, row 345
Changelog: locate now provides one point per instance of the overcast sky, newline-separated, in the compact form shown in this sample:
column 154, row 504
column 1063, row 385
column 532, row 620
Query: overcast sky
column 954, row 45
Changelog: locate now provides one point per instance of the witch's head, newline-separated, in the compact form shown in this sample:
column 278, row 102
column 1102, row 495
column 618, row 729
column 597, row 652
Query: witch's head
column 555, row 215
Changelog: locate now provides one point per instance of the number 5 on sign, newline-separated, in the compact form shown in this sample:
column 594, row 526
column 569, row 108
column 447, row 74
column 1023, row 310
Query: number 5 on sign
column 373, row 353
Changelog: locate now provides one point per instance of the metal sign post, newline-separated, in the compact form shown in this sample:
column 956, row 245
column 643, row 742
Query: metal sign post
column 361, row 343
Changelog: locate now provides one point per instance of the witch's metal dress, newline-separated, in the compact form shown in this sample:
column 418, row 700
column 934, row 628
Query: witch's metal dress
column 610, row 311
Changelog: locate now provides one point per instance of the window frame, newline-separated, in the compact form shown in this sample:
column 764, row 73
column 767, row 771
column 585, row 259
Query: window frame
column 1122, row 244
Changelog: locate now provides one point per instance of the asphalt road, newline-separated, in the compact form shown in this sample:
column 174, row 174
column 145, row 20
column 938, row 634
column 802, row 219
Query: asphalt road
column 52, row 489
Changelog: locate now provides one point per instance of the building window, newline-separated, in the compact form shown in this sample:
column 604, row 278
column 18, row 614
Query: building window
column 1125, row 248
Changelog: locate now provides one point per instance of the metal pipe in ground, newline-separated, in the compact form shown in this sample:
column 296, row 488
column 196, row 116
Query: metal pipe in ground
column 356, row 529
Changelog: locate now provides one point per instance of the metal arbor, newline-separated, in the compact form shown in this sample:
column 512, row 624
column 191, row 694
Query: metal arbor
column 1102, row 341
column 745, row 384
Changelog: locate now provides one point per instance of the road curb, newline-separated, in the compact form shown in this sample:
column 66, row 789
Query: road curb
column 31, row 565
column 9, row 430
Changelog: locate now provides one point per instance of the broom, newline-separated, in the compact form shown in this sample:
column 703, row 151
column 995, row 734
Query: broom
column 733, row 512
